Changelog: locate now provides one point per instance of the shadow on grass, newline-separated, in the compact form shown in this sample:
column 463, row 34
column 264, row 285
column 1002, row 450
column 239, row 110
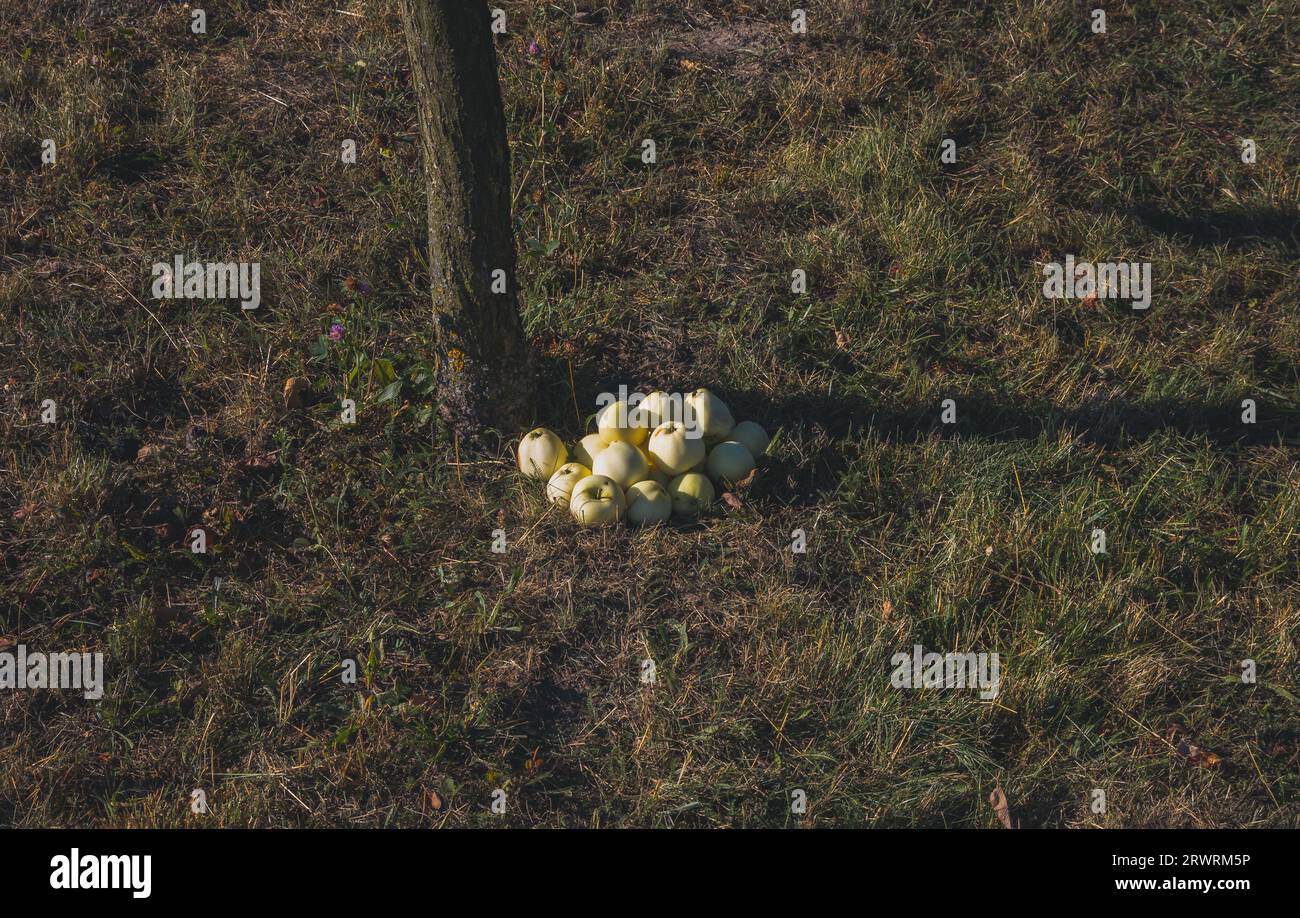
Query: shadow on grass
column 1110, row 423
column 1238, row 228
column 1114, row 422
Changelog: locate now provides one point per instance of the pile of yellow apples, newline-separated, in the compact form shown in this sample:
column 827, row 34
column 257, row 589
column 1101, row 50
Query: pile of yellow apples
column 649, row 460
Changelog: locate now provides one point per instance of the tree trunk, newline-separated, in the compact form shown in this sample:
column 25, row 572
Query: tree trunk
column 485, row 368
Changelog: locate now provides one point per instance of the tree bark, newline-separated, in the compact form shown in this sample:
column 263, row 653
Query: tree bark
column 485, row 368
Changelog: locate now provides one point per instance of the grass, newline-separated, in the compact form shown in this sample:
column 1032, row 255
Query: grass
column 520, row 671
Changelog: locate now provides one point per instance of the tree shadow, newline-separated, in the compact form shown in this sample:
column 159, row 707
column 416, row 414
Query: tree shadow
column 1237, row 228
column 839, row 419
column 1112, row 423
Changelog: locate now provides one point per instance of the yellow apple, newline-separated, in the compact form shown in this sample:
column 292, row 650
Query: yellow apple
column 617, row 423
column 597, row 501
column 730, row 462
column 659, row 407
column 586, row 449
column 708, row 413
column 674, row 450
column 648, row 503
column 541, row 453
column 560, row 488
column 623, row 463
column 752, row 437
column 656, row 473
column 691, row 494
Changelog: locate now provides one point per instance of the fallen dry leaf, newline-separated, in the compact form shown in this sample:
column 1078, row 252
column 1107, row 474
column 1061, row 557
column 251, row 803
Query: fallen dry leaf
column 1198, row 756
column 998, row 800
column 842, row 339
column 295, row 389
column 731, row 500
column 886, row 610
column 434, row 800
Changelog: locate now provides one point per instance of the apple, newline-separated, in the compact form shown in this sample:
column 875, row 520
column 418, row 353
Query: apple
column 708, row 413
column 617, row 423
column 691, row 493
column 659, row 407
column 586, row 449
column 730, row 461
column 541, row 453
column 673, row 450
column 752, row 437
column 623, row 463
column 648, row 503
column 560, row 488
column 656, row 473
column 596, row 501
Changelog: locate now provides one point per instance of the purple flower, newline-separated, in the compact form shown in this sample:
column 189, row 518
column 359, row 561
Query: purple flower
column 534, row 48
column 336, row 332
column 362, row 287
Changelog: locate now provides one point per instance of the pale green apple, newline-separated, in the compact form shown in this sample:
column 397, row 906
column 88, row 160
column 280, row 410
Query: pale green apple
column 617, row 423
column 622, row 462
column 559, row 489
column 541, row 453
column 648, row 503
column 709, row 414
column 730, row 462
column 753, row 437
column 674, row 450
column 586, row 449
column 597, row 501
column 692, row 494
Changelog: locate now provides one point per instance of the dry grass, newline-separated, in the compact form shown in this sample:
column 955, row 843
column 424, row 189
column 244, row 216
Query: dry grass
column 521, row 671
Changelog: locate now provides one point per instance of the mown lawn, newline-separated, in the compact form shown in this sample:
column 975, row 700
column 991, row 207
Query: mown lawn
column 521, row 671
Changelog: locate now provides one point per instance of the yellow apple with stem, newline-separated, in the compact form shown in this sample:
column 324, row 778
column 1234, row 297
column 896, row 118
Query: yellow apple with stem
column 709, row 414
column 541, row 453
column 674, row 450
column 597, row 501
column 559, row 490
